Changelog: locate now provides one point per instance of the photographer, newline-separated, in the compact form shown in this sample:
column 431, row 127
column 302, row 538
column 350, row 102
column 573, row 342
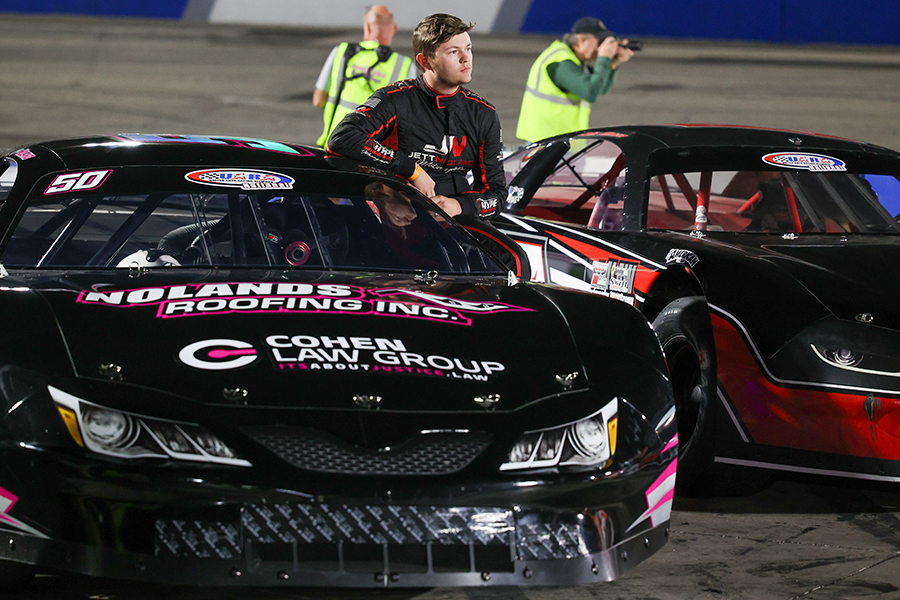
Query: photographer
column 568, row 77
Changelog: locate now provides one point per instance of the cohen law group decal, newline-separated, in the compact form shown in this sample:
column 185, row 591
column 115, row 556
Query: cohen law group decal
column 308, row 353
column 244, row 179
column 805, row 161
column 218, row 354
column 229, row 298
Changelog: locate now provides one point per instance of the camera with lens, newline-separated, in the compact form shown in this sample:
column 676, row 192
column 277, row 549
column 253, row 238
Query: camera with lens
column 633, row 45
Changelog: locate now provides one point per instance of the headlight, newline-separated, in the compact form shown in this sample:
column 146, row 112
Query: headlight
column 126, row 435
column 109, row 428
column 589, row 436
column 860, row 362
column 586, row 443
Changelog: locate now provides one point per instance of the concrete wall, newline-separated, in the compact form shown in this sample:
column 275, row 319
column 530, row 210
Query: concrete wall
column 869, row 22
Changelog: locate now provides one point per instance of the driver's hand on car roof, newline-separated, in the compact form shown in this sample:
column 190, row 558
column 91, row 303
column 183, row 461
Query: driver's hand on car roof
column 449, row 205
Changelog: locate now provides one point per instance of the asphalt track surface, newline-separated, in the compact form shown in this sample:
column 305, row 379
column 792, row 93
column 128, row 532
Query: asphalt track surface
column 795, row 538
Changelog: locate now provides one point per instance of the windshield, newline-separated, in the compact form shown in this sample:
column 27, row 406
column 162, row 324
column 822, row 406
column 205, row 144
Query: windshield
column 376, row 226
column 707, row 188
column 588, row 171
column 782, row 201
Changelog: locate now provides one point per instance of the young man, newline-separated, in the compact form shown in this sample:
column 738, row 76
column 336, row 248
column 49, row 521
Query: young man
column 353, row 71
column 432, row 130
column 567, row 78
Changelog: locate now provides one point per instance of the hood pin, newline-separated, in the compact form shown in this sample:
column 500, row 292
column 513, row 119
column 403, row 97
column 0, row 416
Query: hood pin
column 567, row 380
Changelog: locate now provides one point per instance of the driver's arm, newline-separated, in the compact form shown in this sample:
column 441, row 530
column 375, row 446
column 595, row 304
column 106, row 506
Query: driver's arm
column 489, row 190
column 364, row 133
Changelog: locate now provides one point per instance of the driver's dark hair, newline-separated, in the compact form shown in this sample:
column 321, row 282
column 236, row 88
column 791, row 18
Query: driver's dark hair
column 434, row 30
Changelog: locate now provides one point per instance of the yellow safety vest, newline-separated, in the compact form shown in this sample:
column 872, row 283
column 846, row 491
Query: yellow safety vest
column 546, row 109
column 359, row 70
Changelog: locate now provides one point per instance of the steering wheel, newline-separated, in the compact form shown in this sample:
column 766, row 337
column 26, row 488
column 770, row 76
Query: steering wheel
column 147, row 258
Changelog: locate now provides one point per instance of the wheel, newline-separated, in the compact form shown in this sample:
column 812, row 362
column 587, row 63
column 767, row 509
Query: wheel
column 685, row 333
column 15, row 577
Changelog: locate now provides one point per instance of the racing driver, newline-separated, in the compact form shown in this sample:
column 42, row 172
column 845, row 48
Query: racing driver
column 431, row 130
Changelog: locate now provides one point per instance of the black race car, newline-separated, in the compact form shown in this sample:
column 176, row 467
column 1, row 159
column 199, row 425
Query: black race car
column 240, row 362
column 768, row 263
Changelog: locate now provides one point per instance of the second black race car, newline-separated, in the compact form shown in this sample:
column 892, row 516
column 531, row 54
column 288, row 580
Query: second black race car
column 769, row 262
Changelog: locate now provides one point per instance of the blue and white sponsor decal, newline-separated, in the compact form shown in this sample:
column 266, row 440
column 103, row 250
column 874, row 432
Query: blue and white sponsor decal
column 242, row 178
column 805, row 161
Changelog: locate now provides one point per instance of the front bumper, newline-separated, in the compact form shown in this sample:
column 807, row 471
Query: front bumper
column 183, row 531
column 277, row 524
column 284, row 545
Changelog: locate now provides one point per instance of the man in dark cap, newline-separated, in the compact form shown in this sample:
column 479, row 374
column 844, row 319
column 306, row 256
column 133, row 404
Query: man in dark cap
column 567, row 78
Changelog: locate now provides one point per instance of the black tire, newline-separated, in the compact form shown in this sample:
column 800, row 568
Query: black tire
column 685, row 333
column 15, row 577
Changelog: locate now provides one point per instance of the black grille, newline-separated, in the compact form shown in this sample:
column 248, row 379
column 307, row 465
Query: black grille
column 432, row 453
column 324, row 536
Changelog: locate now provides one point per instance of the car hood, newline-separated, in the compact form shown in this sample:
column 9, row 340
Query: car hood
column 314, row 341
column 848, row 276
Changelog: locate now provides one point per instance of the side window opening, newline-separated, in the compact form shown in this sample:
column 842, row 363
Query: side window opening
column 887, row 190
column 776, row 201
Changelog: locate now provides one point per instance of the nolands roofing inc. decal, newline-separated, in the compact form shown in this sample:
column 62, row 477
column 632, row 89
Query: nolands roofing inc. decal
column 247, row 297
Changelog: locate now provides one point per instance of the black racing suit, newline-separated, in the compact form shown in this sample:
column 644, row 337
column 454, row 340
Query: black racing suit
column 408, row 122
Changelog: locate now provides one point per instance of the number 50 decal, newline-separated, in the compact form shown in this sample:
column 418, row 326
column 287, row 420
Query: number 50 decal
column 75, row 182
